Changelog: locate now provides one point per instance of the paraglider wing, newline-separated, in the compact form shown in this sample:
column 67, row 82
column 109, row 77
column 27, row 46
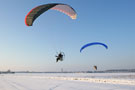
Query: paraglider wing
column 37, row 11
column 95, row 67
column 94, row 43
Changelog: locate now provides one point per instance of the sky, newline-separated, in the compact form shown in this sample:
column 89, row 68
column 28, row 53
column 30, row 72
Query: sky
column 34, row 48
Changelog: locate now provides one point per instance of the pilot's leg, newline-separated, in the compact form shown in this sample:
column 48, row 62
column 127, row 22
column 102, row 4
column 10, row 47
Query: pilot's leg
column 57, row 59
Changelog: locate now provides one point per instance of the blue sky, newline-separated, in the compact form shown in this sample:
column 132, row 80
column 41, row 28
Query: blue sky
column 34, row 48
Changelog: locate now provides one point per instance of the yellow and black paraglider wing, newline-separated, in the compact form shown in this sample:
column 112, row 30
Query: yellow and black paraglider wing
column 95, row 67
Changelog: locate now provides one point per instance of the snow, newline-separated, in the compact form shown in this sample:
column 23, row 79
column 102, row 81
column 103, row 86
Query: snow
column 67, row 81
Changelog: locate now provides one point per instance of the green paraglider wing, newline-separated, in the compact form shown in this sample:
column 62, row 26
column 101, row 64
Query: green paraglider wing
column 37, row 11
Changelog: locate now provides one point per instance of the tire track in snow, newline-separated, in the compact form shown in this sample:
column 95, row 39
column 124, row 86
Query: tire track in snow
column 15, row 85
column 8, row 84
column 20, row 86
column 55, row 87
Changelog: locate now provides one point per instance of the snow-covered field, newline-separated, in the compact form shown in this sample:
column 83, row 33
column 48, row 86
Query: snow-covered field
column 68, row 81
